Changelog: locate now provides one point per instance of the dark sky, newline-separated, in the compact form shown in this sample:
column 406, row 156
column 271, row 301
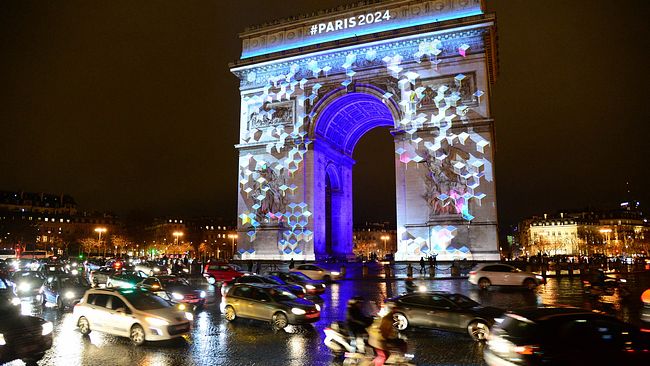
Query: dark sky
column 130, row 104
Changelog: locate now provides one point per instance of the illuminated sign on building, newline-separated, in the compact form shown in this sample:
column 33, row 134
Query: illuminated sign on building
column 353, row 22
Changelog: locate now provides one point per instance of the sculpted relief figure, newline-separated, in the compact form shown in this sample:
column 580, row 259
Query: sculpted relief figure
column 444, row 187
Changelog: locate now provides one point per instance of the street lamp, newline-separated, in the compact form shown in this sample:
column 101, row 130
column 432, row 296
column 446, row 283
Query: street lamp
column 233, row 237
column 177, row 234
column 385, row 239
column 100, row 231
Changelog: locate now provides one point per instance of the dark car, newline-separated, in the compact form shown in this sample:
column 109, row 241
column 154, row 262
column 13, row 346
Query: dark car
column 27, row 283
column 100, row 276
column 273, row 280
column 64, row 290
column 444, row 311
column 565, row 336
column 266, row 302
column 22, row 337
column 7, row 293
column 175, row 289
column 125, row 278
column 313, row 287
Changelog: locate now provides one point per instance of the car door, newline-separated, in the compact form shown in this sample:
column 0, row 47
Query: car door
column 260, row 305
column 98, row 316
column 444, row 313
column 240, row 299
column 496, row 274
column 118, row 315
column 415, row 308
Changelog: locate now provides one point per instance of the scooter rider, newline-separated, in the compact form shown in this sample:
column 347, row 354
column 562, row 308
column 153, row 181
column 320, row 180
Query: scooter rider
column 383, row 336
column 357, row 321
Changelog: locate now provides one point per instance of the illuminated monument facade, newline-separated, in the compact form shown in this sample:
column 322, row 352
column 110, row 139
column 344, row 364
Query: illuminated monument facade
column 311, row 87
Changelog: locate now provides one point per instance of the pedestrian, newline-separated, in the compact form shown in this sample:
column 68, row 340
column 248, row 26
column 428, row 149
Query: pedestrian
column 291, row 264
column 250, row 265
column 421, row 264
column 258, row 267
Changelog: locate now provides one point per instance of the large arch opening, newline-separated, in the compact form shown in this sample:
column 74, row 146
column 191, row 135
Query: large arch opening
column 341, row 122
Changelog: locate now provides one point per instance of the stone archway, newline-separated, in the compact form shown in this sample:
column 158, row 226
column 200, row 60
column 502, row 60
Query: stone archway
column 308, row 94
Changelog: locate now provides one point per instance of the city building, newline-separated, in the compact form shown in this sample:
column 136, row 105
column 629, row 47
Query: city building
column 375, row 238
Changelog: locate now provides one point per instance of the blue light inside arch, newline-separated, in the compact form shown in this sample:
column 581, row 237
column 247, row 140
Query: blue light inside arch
column 356, row 32
column 344, row 121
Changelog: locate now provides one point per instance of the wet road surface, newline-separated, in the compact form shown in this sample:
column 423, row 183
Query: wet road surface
column 214, row 341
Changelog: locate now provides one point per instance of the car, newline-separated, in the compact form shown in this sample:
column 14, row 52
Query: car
column 565, row 336
column 22, row 337
column 295, row 289
column 313, row 287
column 27, row 283
column 100, row 276
column 134, row 313
column 64, row 290
column 7, row 293
column 317, row 273
column 53, row 268
column 443, row 311
column 217, row 273
column 174, row 289
column 152, row 268
column 125, row 278
column 271, row 303
column 488, row 274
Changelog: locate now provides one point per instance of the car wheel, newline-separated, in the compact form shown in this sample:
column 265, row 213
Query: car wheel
column 83, row 325
column 400, row 321
column 33, row 360
column 478, row 330
column 230, row 314
column 212, row 280
column 137, row 335
column 484, row 283
column 280, row 321
column 530, row 284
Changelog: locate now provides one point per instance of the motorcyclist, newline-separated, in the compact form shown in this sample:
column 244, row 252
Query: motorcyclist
column 383, row 336
column 357, row 321
column 410, row 285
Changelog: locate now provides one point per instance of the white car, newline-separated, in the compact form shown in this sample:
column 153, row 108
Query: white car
column 316, row 272
column 498, row 274
column 134, row 313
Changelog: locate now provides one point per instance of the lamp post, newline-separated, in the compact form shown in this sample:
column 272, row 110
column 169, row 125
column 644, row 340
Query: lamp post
column 232, row 238
column 385, row 239
column 100, row 231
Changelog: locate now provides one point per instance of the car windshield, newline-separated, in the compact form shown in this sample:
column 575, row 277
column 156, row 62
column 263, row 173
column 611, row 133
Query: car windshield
column 235, row 267
column 174, row 281
column 276, row 280
column 463, row 301
column 145, row 301
column 73, row 281
column 300, row 276
column 280, row 295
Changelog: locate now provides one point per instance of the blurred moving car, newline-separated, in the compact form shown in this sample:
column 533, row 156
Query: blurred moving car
column 22, row 337
column 64, row 290
column 316, row 272
column 53, row 268
column 100, row 276
column 217, row 273
column 275, row 304
column 174, row 289
column 600, row 284
column 487, row 274
column 152, row 268
column 125, row 278
column 273, row 280
column 134, row 313
column 565, row 336
column 27, row 283
column 313, row 287
column 444, row 311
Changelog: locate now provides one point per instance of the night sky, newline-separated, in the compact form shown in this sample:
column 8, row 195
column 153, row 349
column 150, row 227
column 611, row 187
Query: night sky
column 130, row 105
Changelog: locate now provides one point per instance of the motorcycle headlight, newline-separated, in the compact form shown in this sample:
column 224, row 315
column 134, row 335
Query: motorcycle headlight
column 298, row 311
column 422, row 288
column 15, row 301
column 177, row 296
column 156, row 269
column 156, row 321
column 189, row 316
column 24, row 286
column 202, row 294
column 317, row 307
column 48, row 327
column 336, row 273
column 310, row 287
column 69, row 295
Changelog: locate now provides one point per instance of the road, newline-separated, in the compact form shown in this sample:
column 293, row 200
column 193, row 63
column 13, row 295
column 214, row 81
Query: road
column 214, row 341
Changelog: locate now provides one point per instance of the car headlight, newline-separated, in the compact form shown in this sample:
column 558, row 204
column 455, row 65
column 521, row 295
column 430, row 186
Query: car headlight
column 74, row 264
column 24, row 286
column 202, row 294
column 15, row 301
column 539, row 277
column 69, row 295
column 336, row 273
column 422, row 288
column 310, row 287
column 177, row 296
column 498, row 320
column 156, row 321
column 623, row 280
column 74, row 272
column 317, row 307
column 298, row 311
column 48, row 327
column 2, row 339
column 156, row 269
column 189, row 316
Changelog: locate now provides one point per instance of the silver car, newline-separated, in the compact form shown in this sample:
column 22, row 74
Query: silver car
column 272, row 303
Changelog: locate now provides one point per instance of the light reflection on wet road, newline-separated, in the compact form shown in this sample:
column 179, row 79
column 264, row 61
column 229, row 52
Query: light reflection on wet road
column 217, row 342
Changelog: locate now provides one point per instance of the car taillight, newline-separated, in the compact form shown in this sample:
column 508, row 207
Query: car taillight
column 472, row 272
column 526, row 350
